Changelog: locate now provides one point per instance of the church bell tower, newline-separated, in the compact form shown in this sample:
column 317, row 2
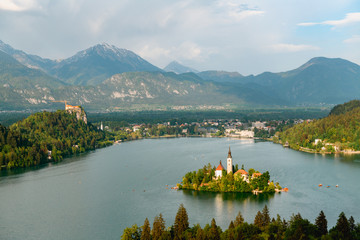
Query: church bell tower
column 229, row 164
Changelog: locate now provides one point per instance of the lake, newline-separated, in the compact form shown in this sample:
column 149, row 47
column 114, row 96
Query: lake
column 97, row 194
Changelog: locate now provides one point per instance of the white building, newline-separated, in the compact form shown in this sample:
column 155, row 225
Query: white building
column 218, row 171
column 229, row 166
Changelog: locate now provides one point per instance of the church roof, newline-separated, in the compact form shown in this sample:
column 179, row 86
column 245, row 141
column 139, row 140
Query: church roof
column 229, row 154
column 220, row 167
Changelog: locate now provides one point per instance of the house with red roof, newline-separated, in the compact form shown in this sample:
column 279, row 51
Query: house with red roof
column 242, row 174
column 218, row 171
column 255, row 175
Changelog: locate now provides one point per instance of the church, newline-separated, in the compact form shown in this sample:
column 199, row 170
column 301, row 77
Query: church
column 229, row 166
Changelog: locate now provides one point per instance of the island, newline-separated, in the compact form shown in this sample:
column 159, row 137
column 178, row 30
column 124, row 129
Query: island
column 232, row 179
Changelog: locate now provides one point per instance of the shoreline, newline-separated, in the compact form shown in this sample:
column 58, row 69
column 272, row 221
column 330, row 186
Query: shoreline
column 313, row 151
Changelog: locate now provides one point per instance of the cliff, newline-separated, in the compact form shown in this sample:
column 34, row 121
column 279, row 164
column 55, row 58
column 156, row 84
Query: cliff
column 79, row 112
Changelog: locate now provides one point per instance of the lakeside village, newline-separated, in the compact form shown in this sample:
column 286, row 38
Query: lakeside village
column 207, row 128
column 232, row 179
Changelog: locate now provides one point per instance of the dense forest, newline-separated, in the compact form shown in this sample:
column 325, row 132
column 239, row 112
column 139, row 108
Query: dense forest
column 47, row 137
column 338, row 131
column 204, row 180
column 263, row 227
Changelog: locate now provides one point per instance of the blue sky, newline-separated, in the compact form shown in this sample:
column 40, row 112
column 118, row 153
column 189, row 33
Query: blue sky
column 246, row 36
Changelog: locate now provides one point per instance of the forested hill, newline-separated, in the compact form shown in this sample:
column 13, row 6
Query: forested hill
column 29, row 142
column 344, row 108
column 337, row 132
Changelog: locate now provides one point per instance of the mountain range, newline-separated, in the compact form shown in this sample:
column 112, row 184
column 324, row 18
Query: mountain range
column 106, row 78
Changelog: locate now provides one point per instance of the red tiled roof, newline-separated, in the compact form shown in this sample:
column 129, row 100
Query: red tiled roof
column 241, row 171
column 256, row 174
column 220, row 167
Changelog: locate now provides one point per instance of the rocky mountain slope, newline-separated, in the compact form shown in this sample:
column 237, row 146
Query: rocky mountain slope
column 94, row 65
column 105, row 77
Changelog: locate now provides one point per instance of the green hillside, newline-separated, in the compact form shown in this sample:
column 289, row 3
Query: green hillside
column 344, row 108
column 336, row 132
column 28, row 142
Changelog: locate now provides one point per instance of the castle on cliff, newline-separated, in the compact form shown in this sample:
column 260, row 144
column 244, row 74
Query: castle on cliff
column 78, row 110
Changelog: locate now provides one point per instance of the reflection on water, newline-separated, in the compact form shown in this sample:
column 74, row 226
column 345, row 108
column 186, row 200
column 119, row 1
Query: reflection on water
column 220, row 198
column 19, row 171
column 349, row 158
column 227, row 203
column 244, row 141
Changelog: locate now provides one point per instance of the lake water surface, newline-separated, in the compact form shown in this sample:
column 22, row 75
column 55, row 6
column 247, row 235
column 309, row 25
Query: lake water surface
column 98, row 194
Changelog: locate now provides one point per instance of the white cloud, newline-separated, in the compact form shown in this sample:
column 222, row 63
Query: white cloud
column 353, row 39
column 244, row 14
column 286, row 47
column 186, row 51
column 151, row 52
column 237, row 10
column 349, row 18
column 17, row 5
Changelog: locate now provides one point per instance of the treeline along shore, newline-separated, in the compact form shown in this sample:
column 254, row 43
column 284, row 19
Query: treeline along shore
column 263, row 227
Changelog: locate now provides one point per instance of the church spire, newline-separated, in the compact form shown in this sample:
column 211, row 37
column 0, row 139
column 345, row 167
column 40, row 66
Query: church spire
column 229, row 154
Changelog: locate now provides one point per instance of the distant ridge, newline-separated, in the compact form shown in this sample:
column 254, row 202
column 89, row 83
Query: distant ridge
column 88, row 78
column 178, row 68
column 91, row 66
column 15, row 75
column 319, row 81
column 28, row 60
column 221, row 76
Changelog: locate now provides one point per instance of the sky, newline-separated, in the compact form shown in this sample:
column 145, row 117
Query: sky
column 247, row 36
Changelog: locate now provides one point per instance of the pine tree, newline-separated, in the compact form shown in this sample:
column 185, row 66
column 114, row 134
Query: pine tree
column 214, row 233
column 158, row 227
column 181, row 222
column 258, row 221
column 231, row 225
column 238, row 220
column 342, row 226
column 265, row 216
column 321, row 224
column 145, row 234
column 200, row 234
column 231, row 231
column 352, row 223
